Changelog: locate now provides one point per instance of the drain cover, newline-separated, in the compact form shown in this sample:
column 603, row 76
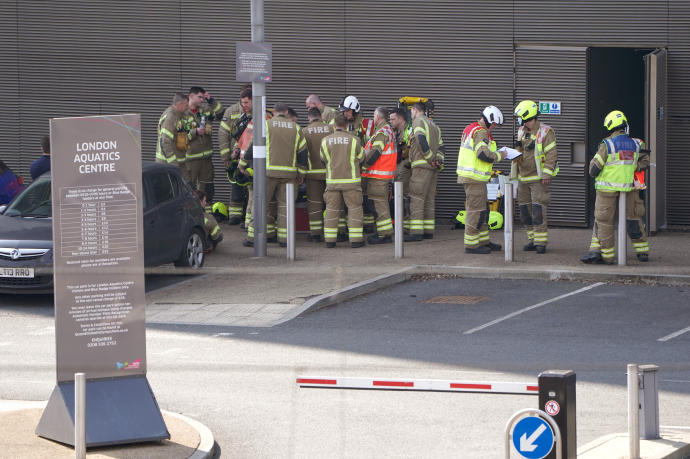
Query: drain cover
column 457, row 299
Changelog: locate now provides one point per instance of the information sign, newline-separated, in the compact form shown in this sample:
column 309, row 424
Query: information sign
column 98, row 248
column 253, row 61
column 533, row 437
column 549, row 108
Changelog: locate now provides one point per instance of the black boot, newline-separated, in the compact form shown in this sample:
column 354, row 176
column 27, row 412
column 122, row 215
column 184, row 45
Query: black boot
column 376, row 239
column 494, row 247
column 234, row 220
column 540, row 248
column 356, row 245
column 644, row 257
column 482, row 249
column 413, row 237
column 530, row 247
column 590, row 257
column 330, row 245
column 248, row 243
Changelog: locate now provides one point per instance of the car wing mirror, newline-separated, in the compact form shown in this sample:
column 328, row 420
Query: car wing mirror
column 2, row 209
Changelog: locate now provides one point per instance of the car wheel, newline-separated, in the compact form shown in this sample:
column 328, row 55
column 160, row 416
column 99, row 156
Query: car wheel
column 193, row 253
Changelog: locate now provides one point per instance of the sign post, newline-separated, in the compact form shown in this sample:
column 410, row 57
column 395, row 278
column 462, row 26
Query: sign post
column 254, row 64
column 98, row 261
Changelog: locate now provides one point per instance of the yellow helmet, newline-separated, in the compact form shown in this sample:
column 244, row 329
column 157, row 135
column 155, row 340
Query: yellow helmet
column 525, row 111
column 615, row 119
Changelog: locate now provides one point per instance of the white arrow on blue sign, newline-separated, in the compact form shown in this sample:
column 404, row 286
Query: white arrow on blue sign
column 533, row 437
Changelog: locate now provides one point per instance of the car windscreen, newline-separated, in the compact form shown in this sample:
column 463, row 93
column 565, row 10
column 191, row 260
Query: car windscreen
column 34, row 201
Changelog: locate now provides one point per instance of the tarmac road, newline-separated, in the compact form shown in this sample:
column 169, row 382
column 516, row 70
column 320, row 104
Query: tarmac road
column 240, row 381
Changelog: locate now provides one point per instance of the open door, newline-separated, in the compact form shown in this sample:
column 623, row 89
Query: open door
column 655, row 136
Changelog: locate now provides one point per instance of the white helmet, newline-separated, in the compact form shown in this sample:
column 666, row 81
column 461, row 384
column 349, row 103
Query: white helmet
column 491, row 115
column 350, row 103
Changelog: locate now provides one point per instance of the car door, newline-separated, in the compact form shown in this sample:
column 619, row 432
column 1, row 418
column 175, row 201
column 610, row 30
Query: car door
column 150, row 211
column 163, row 218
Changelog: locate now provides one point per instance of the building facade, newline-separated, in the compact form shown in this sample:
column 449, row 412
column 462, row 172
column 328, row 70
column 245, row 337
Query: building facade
column 72, row 58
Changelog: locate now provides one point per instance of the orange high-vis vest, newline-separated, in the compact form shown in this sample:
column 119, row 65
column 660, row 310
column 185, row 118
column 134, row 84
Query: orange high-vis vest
column 384, row 167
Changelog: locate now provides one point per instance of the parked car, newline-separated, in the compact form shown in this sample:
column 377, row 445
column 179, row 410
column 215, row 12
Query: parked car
column 173, row 229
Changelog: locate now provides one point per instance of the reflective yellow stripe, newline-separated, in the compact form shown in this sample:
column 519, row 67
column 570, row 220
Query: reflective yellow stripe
column 167, row 133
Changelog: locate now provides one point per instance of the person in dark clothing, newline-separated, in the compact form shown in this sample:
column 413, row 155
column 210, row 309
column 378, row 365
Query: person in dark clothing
column 42, row 164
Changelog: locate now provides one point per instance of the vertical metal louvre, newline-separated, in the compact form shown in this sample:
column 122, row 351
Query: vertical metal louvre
column 9, row 85
column 678, row 115
column 91, row 58
column 74, row 58
column 567, row 83
column 445, row 50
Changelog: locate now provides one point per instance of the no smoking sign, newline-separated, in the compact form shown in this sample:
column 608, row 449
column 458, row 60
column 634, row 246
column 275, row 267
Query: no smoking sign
column 552, row 407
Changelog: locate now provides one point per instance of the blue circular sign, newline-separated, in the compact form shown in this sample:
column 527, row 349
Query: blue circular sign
column 533, row 437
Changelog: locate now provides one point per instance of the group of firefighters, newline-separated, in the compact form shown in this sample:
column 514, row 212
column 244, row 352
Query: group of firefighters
column 347, row 164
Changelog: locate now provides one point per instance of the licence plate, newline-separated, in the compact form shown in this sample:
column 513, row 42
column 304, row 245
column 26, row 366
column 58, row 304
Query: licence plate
column 17, row 272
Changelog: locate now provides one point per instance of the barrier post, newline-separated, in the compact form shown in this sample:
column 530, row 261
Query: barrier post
column 633, row 411
column 398, row 197
column 508, row 206
column 649, row 401
column 557, row 399
column 290, row 199
column 80, row 415
column 622, row 233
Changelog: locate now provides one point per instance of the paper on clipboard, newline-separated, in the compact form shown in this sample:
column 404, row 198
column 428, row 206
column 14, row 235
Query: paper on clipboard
column 511, row 153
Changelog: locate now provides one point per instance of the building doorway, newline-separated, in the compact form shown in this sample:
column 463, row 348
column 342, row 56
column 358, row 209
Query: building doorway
column 616, row 80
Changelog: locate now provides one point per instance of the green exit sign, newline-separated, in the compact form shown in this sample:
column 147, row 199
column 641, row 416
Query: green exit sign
column 550, row 108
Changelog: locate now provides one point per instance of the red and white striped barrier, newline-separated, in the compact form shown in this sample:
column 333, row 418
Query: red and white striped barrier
column 419, row 384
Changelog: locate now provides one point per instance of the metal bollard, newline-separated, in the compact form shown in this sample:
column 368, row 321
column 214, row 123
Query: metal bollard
column 508, row 205
column 649, row 401
column 557, row 399
column 398, row 197
column 290, row 198
column 633, row 412
column 80, row 415
column 621, row 239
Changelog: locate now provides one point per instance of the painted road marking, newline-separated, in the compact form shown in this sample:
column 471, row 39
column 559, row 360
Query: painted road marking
column 674, row 335
column 529, row 308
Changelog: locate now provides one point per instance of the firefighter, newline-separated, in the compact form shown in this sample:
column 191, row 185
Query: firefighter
column 342, row 153
column 534, row 170
column 215, row 234
column 198, row 120
column 356, row 124
column 327, row 113
column 380, row 163
column 286, row 162
column 477, row 154
column 172, row 137
column 234, row 121
column 403, row 131
column 314, row 133
column 613, row 167
column 424, row 163
column 362, row 128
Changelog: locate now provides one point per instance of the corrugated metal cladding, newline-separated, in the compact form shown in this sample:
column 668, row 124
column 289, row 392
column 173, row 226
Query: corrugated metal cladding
column 678, row 113
column 80, row 58
column 566, row 82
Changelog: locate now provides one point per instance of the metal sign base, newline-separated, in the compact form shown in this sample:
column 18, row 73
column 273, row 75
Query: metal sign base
column 118, row 411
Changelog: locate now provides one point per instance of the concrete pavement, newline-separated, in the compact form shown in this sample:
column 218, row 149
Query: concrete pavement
column 240, row 290
column 237, row 289
column 18, row 420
